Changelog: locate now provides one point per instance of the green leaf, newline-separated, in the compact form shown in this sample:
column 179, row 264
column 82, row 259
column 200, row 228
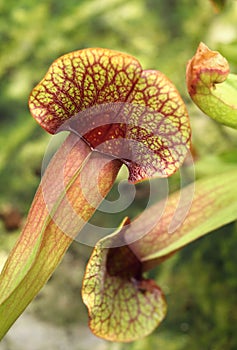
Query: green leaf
column 50, row 229
column 211, row 86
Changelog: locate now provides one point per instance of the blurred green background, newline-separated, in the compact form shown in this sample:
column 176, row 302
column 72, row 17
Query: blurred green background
column 200, row 282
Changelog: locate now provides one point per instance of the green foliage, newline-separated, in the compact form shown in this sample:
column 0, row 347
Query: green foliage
column 206, row 310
